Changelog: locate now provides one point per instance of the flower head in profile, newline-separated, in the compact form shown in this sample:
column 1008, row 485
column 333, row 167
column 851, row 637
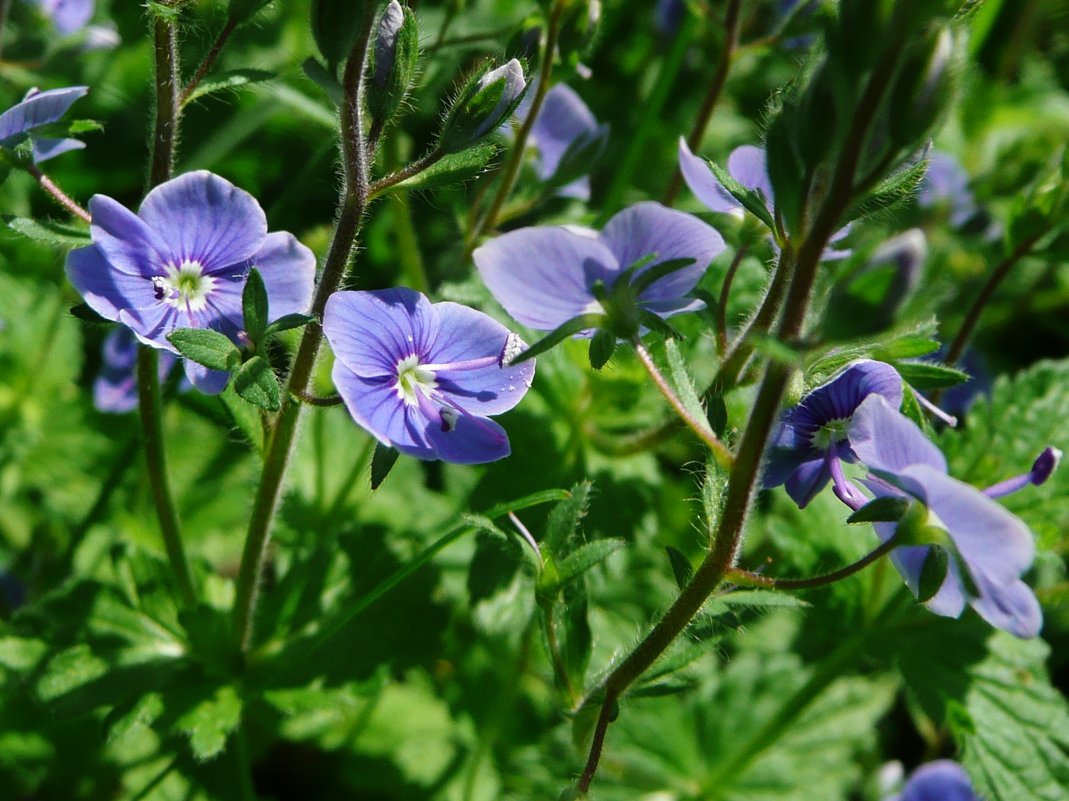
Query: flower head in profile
column 747, row 165
column 813, row 436
column 182, row 262
column 425, row 378
column 976, row 550
column 548, row 275
column 564, row 123
column 36, row 110
column 941, row 780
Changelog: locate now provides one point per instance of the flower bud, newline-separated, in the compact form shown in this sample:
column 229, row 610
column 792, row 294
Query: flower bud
column 394, row 60
column 485, row 102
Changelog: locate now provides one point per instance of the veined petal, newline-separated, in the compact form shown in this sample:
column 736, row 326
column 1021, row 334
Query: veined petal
column 650, row 228
column 470, row 440
column 288, row 269
column 1011, row 607
column 205, row 219
column 806, row 481
column 45, row 149
column 465, row 334
column 371, row 332
column 375, row 405
column 703, row 183
column 124, row 240
column 887, row 441
column 107, row 291
column 564, row 117
column 542, row 276
column 37, row 109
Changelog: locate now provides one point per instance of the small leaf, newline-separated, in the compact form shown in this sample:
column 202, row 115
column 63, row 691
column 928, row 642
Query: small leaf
column 602, row 347
column 210, row 722
column 751, row 199
column 207, row 347
column 229, row 80
column 563, row 534
column 907, row 347
column 894, row 190
column 685, row 386
column 682, row 569
column 256, row 382
column 324, row 79
column 289, row 321
column 933, row 574
column 930, row 375
column 83, row 311
column 335, row 26
column 241, row 10
column 586, row 557
column 657, row 272
column 52, row 233
column 454, row 168
column 880, row 510
column 382, row 463
column 254, row 306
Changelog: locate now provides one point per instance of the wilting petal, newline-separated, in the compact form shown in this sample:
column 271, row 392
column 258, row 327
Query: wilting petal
column 466, row 334
column 288, row 269
column 105, row 290
column 650, row 228
column 703, row 183
column 371, row 332
column 746, row 164
column 124, row 240
column 542, row 276
column 37, row 109
column 886, row 441
column 205, row 219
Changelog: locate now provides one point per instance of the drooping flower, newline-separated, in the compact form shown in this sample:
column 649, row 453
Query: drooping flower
column 547, row 275
column 425, row 378
column 747, row 165
column 987, row 547
column 67, row 16
column 812, row 437
column 115, row 387
column 941, row 780
column 564, row 121
column 37, row 109
column 182, row 261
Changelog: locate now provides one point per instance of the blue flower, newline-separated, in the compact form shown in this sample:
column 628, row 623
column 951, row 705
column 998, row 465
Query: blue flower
column 424, row 378
column 746, row 164
column 36, row 110
column 941, row 780
column 988, row 548
column 812, row 437
column 115, row 387
column 68, row 16
column 182, row 260
column 947, row 184
column 546, row 275
column 564, row 121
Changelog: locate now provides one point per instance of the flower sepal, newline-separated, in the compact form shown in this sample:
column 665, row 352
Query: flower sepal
column 576, row 325
column 482, row 106
column 933, row 574
column 918, row 526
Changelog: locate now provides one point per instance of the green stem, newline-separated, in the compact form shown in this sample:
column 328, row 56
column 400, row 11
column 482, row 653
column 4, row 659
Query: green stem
column 209, row 60
column 277, row 449
column 722, row 301
column 168, row 109
column 759, row 580
column 58, row 194
column 723, row 66
column 408, row 253
column 149, row 408
column 512, row 168
column 564, row 681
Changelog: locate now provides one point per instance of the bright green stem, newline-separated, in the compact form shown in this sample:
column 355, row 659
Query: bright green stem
column 353, row 204
column 150, row 407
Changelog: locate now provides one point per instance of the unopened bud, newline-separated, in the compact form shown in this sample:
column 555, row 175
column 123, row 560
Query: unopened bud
column 483, row 105
column 393, row 61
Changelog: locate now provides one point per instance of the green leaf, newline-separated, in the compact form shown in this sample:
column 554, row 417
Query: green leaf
column 583, row 322
column 684, row 386
column 880, row 510
column 242, row 10
column 211, row 721
column 335, row 25
column 657, row 272
column 930, row 375
column 257, row 383
column 751, row 199
column 455, row 168
column 324, row 79
column 254, row 306
column 70, row 670
column 905, row 347
column 288, row 322
column 51, row 233
column 563, row 534
column 229, row 81
column 382, row 462
column 682, row 569
column 207, row 347
column 586, row 557
column 892, row 191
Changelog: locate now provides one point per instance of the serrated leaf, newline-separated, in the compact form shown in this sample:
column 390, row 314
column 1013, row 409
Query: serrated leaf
column 454, row 168
column 586, row 557
column 254, row 306
column 52, row 233
column 906, row 347
column 382, row 462
column 257, row 383
column 930, row 375
column 562, row 529
column 210, row 722
column 207, row 347
column 229, row 81
column 69, row 670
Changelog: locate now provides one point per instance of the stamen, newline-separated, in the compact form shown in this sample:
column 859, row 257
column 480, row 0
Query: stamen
column 1042, row 468
column 934, row 410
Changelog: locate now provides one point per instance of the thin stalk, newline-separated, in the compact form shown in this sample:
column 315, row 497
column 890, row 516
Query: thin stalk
column 768, row 582
column 972, row 317
column 353, row 204
column 705, row 433
column 58, row 194
column 5, row 6
column 415, row 168
column 512, row 168
column 168, row 109
column 723, row 67
column 149, row 407
column 722, row 301
column 318, row 400
column 209, row 60
column 564, row 681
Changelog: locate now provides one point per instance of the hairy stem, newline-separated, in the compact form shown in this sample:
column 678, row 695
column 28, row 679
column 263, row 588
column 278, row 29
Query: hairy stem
column 723, row 66
column 168, row 109
column 149, row 407
column 759, row 580
column 58, row 194
column 722, row 301
column 353, row 204
column 416, row 167
column 209, row 60
column 700, row 427
column 512, row 168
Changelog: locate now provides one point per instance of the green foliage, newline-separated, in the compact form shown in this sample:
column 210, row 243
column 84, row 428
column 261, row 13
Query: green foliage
column 256, row 382
column 229, row 81
column 207, row 347
column 453, row 168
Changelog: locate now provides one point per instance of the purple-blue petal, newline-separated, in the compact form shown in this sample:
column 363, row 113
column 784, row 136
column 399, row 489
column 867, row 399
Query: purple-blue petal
column 210, row 382
column 887, row 442
column 37, row 109
column 543, row 276
column 466, row 334
column 808, row 479
column 1011, row 607
column 650, row 228
column 115, row 387
column 370, row 332
column 288, row 269
column 45, row 149
column 124, row 240
column 746, row 164
column 564, row 117
column 941, row 780
column 105, row 290
column 68, row 15
column 1045, row 465
column 471, row 440
column 206, row 219
column 703, row 183
column 375, row 405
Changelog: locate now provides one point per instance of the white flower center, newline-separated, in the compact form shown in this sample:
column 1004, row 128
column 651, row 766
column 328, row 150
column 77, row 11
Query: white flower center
column 184, row 286
column 412, row 376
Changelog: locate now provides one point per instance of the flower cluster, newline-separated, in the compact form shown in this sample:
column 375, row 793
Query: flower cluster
column 182, row 261
column 955, row 545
